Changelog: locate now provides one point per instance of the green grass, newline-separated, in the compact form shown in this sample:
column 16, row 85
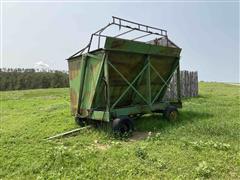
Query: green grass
column 204, row 143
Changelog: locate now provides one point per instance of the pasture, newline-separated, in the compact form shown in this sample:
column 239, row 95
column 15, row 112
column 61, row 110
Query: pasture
column 203, row 143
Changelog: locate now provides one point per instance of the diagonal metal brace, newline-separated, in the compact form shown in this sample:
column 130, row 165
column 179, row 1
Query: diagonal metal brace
column 165, row 84
column 158, row 74
column 130, row 84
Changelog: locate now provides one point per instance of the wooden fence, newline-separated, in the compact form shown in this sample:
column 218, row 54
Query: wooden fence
column 189, row 85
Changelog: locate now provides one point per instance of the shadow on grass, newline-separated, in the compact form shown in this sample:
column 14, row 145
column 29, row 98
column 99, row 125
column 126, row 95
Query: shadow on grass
column 157, row 122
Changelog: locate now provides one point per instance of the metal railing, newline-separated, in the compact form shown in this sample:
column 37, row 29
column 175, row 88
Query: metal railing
column 123, row 23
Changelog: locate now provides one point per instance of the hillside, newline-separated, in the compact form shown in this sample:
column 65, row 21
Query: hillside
column 204, row 143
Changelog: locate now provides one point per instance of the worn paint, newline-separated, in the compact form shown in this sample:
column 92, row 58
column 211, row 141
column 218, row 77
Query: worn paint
column 135, row 82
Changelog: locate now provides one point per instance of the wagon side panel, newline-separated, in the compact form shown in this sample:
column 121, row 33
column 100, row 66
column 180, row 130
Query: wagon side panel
column 74, row 82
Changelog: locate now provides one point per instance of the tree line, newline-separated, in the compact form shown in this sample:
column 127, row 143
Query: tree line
column 19, row 79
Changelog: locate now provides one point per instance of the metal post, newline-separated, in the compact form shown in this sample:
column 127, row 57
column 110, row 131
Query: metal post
column 178, row 83
column 106, row 76
column 149, row 81
column 82, row 78
column 90, row 43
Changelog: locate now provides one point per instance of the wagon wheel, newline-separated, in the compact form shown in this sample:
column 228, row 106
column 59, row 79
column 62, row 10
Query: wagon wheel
column 171, row 113
column 122, row 126
column 80, row 121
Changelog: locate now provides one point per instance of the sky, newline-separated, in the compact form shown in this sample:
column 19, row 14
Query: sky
column 207, row 32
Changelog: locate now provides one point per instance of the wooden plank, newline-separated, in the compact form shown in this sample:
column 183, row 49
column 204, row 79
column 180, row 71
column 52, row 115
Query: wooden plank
column 188, row 85
column 68, row 133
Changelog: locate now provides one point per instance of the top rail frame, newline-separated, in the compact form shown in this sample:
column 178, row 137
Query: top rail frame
column 120, row 22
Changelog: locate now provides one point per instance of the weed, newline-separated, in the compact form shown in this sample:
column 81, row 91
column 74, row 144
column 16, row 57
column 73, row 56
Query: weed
column 204, row 170
column 141, row 152
column 199, row 145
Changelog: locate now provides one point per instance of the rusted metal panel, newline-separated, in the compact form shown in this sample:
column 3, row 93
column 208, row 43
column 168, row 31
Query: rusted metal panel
column 93, row 69
column 129, row 65
column 116, row 44
column 74, row 75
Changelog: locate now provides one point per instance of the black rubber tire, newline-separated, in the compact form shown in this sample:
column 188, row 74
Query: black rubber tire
column 122, row 126
column 80, row 121
column 171, row 113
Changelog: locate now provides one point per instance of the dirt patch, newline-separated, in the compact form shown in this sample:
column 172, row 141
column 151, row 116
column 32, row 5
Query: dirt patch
column 137, row 136
column 100, row 146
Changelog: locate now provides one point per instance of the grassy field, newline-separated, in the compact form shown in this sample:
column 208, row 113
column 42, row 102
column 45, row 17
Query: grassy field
column 204, row 143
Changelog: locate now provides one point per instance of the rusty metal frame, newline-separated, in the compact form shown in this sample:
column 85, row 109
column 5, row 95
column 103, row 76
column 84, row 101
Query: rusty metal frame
column 120, row 22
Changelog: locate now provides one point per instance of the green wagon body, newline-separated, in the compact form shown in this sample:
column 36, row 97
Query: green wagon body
column 124, row 78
